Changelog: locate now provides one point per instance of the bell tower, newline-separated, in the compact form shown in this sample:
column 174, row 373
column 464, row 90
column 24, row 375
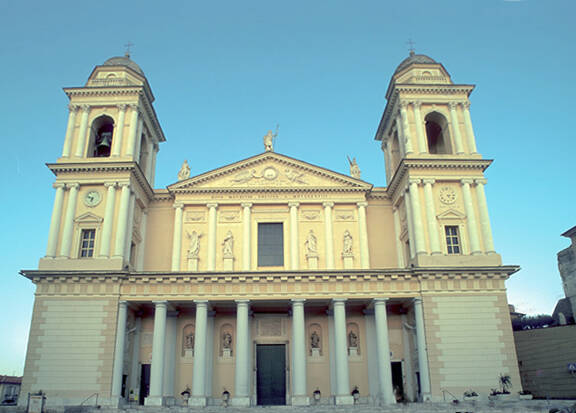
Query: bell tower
column 105, row 175
column 434, row 172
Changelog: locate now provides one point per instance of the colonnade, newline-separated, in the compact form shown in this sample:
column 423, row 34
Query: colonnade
column 419, row 144
column 293, row 263
column 477, row 217
column 243, row 366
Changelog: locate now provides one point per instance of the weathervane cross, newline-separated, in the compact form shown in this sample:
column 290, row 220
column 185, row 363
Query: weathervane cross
column 128, row 46
column 411, row 44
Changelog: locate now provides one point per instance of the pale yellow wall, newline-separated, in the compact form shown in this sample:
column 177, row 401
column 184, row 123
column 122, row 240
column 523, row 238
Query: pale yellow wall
column 381, row 235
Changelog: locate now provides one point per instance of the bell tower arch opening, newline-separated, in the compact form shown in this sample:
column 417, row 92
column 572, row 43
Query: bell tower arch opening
column 437, row 135
column 101, row 135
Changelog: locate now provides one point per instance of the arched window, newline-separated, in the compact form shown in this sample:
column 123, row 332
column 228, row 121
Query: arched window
column 101, row 134
column 437, row 134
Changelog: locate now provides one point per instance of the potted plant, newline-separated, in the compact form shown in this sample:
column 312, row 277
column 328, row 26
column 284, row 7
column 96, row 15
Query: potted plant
column 525, row 395
column 505, row 383
column 470, row 395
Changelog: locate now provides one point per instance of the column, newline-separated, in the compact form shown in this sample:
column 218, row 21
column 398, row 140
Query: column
column 408, row 365
column 417, row 217
column 406, row 128
column 157, row 368
column 212, row 236
column 138, row 140
column 134, row 124
column 170, row 358
column 329, row 234
column 341, row 357
column 470, row 139
column 456, row 128
column 398, row 241
column 363, row 231
column 410, row 224
column 242, row 370
column 55, row 221
column 119, row 354
column 470, row 217
column 119, row 131
column 128, row 239
column 422, row 351
column 420, row 135
column 135, row 362
column 108, row 220
column 153, row 165
column 299, row 397
column 68, row 231
column 294, row 258
column 122, row 224
column 81, row 141
column 246, row 237
column 386, row 391
column 177, row 237
column 69, row 130
column 484, row 217
column 431, row 217
column 199, row 370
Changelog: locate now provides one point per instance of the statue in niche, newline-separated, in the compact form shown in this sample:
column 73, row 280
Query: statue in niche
column 194, row 238
column 314, row 340
column 269, row 140
column 347, row 249
column 228, row 245
column 184, row 172
column 189, row 341
column 311, row 243
column 352, row 339
column 227, row 341
column 354, row 168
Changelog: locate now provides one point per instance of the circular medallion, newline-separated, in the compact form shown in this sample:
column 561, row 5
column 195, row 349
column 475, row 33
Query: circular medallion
column 270, row 173
column 447, row 195
column 92, row 198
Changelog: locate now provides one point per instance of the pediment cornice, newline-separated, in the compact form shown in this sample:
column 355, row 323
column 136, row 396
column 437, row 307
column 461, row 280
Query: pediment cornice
column 270, row 172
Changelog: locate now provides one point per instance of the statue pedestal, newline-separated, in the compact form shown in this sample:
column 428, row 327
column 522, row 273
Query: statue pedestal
column 312, row 261
column 192, row 263
column 353, row 351
column 189, row 353
column 228, row 263
column 348, row 260
column 226, row 353
column 315, row 353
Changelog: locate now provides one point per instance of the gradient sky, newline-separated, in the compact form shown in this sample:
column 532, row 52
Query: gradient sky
column 224, row 72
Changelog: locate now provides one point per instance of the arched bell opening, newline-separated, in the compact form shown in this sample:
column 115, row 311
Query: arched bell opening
column 437, row 134
column 101, row 135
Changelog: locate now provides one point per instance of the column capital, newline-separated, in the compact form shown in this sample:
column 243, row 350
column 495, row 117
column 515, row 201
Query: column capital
column 246, row 302
column 73, row 186
column 481, row 181
column 159, row 304
column 417, row 104
column 328, row 204
column 123, row 184
column 452, row 105
column 57, row 185
column 202, row 303
column 417, row 300
column 362, row 204
column 123, row 303
column 380, row 300
column 178, row 205
column 339, row 300
column 468, row 181
column 429, row 181
column 246, row 204
column 466, row 105
column 73, row 108
column 85, row 108
column 110, row 184
column 403, row 104
column 298, row 301
column 212, row 205
column 414, row 181
column 122, row 107
column 133, row 106
column 293, row 204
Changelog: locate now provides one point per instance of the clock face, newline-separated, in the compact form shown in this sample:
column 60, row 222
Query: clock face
column 92, row 198
column 447, row 195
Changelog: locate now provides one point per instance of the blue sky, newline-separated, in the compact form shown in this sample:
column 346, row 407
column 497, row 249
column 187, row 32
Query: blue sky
column 224, row 72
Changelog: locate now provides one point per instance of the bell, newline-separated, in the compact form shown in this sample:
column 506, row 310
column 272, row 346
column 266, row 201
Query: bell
column 103, row 144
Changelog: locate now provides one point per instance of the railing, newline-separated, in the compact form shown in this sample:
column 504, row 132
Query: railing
column 110, row 82
column 89, row 397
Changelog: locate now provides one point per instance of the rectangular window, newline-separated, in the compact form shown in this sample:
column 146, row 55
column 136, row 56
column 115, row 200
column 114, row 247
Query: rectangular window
column 452, row 239
column 270, row 245
column 87, row 243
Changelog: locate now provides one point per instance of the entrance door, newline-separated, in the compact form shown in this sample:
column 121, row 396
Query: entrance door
column 144, row 383
column 271, row 374
column 397, row 380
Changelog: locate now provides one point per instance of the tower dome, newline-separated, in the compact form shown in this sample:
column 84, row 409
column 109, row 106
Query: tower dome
column 413, row 59
column 124, row 61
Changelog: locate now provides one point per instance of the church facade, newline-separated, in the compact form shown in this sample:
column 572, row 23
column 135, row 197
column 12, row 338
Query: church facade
column 269, row 281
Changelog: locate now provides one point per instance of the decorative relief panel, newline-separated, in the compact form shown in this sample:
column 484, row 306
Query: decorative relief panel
column 195, row 216
column 232, row 216
column 344, row 215
column 270, row 327
column 310, row 215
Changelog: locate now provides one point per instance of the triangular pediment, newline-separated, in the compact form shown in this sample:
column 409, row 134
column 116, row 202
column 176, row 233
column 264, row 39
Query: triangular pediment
column 88, row 217
column 267, row 171
column 451, row 214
